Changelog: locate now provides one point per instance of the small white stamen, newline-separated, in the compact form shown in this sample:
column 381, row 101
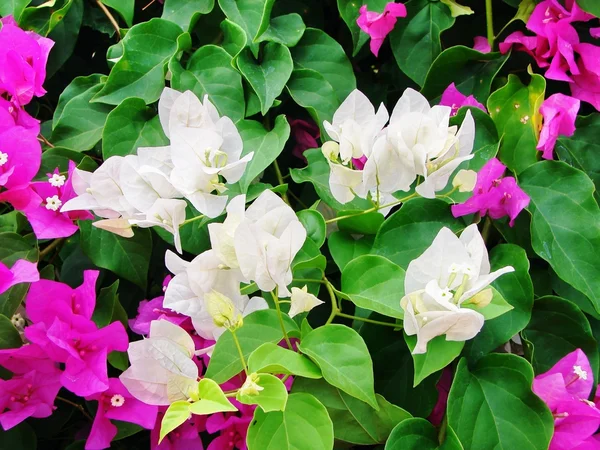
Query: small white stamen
column 3, row 158
column 585, row 400
column 117, row 400
column 454, row 268
column 582, row 374
column 57, row 180
column 53, row 203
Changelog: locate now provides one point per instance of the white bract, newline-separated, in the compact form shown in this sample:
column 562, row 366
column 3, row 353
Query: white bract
column 302, row 301
column 165, row 213
column 266, row 242
column 162, row 370
column 450, row 273
column 196, row 282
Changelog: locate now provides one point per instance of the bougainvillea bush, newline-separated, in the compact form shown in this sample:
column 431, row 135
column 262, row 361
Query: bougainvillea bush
column 285, row 224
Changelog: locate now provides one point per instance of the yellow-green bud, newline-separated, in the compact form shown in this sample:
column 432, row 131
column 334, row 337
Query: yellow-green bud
column 250, row 386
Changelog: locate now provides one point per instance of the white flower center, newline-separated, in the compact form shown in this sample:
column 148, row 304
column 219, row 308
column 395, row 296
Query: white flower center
column 582, row 374
column 57, row 180
column 3, row 158
column 18, row 321
column 53, row 203
column 117, row 400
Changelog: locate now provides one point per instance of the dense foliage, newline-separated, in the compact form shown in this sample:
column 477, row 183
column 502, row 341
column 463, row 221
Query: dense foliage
column 285, row 224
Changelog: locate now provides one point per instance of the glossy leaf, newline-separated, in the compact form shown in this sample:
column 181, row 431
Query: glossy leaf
column 271, row 358
column 185, row 12
column 272, row 397
column 286, row 30
column 211, row 399
column 420, row 434
column 9, row 336
column 123, row 7
column 177, row 413
column 13, row 7
column 315, row 226
column 344, row 247
column 440, row 353
column 252, row 16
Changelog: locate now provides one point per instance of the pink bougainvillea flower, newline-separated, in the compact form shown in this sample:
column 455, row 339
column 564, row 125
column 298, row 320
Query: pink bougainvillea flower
column 21, row 271
column 586, row 85
column 184, row 437
column 559, row 112
column 494, row 195
column 23, row 58
column 117, row 404
column 481, row 44
column 524, row 43
column 41, row 205
column 595, row 32
column 359, row 163
column 25, row 359
column 233, row 428
column 20, row 157
column 379, row 25
column 305, row 135
column 455, row 99
column 12, row 115
column 565, row 388
column 443, row 388
column 26, row 395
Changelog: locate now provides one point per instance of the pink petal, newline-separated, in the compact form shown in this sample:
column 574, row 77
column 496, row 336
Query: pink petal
column 22, row 271
column 481, row 44
column 559, row 112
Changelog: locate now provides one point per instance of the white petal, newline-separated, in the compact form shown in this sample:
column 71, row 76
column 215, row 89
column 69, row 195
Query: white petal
column 302, row 301
column 208, row 204
column 165, row 104
column 411, row 101
column 167, row 330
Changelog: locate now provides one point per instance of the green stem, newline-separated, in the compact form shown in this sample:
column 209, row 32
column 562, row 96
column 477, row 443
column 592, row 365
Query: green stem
column 334, row 306
column 489, row 19
column 487, row 226
column 239, row 347
column 193, row 219
column 370, row 210
column 280, row 180
column 51, row 247
column 280, row 316
column 252, row 287
column 75, row 405
column 363, row 319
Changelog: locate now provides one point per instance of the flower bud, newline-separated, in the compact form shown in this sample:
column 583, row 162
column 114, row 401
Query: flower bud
column 331, row 150
column 120, row 227
column 250, row 386
column 465, row 180
column 222, row 311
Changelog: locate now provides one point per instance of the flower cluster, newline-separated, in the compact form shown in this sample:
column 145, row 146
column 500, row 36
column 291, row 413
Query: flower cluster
column 146, row 189
column 417, row 142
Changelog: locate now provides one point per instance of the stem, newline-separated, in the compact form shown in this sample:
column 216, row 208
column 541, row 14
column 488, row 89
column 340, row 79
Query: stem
column 231, row 394
column 249, row 289
column 370, row 210
column 334, row 307
column 45, row 141
column 487, row 225
column 112, row 20
column 280, row 180
column 239, row 347
column 363, row 319
column 505, row 27
column 280, row 316
column 489, row 19
column 193, row 219
column 75, row 405
column 55, row 243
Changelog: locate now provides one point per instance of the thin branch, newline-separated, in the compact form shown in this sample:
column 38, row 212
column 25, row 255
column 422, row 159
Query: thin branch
column 108, row 14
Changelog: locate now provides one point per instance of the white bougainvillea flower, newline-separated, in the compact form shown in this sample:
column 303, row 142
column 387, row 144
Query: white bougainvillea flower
column 465, row 180
column 222, row 234
column 267, row 241
column 184, row 109
column 120, row 227
column 205, row 275
column 355, row 125
column 450, row 272
column 165, row 213
column 302, row 301
column 162, row 370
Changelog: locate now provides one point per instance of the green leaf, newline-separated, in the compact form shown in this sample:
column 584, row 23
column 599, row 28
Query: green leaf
column 266, row 145
column 211, row 399
column 419, row 434
column 147, row 48
column 311, row 90
column 315, row 226
column 77, row 123
column 304, row 425
column 349, row 10
column 234, row 38
column 472, row 72
column 285, row 30
column 252, row 16
column 269, row 76
column 409, row 232
column 65, row 35
column 271, row 358
column 497, row 306
column 128, row 258
column 344, row 359
column 562, row 199
column 105, row 305
column 124, row 7
column 590, row 6
column 272, row 397
column 354, row 421
column 185, row 13
column 44, row 18
column 361, row 224
column 317, row 173
column 491, row 405
column 177, row 413
column 15, row 247
column 21, row 437
column 416, row 38
column 9, row 336
column 440, row 353
column 515, row 110
column 320, row 52
column 59, row 157
column 375, row 283
column 558, row 327
column 579, row 149
column 259, row 327
column 344, row 247
column 210, row 72
column 517, row 288
column 129, row 126
column 13, row 7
